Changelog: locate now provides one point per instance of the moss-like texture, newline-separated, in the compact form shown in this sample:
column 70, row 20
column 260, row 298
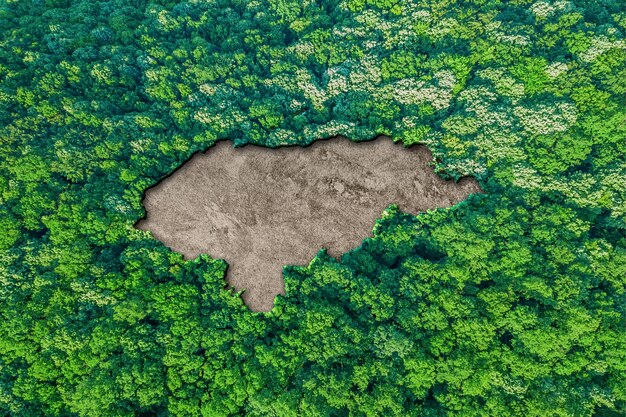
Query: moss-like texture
column 510, row 304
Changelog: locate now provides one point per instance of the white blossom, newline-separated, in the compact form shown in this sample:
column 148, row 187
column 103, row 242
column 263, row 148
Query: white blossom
column 525, row 176
column 556, row 68
column 443, row 27
column 337, row 82
column 542, row 9
column 207, row 89
column 546, row 119
column 600, row 45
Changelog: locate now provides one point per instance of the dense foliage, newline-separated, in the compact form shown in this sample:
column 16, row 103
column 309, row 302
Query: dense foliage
column 509, row 304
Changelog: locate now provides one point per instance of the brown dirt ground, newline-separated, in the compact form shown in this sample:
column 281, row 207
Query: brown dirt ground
column 260, row 208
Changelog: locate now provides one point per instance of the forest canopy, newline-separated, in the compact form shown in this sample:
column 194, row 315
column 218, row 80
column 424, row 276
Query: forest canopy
column 509, row 304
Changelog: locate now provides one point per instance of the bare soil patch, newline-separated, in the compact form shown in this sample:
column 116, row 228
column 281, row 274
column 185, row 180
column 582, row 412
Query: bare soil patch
column 260, row 208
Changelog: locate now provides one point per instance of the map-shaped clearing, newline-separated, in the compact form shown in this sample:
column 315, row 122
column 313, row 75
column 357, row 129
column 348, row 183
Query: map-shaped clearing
column 261, row 208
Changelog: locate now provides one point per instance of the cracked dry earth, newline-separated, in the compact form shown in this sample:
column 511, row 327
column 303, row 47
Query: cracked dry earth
column 260, row 208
